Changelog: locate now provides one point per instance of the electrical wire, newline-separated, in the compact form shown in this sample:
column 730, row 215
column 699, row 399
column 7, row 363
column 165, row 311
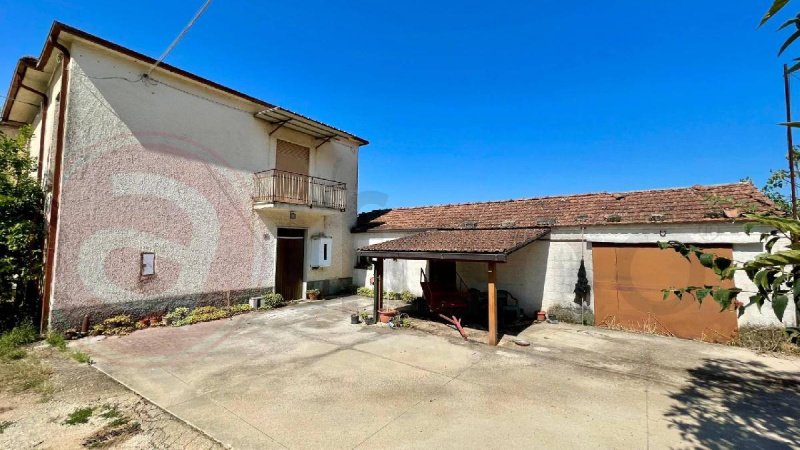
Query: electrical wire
column 180, row 36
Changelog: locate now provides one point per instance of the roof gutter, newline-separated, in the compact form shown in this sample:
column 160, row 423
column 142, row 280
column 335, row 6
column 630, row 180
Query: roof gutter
column 52, row 232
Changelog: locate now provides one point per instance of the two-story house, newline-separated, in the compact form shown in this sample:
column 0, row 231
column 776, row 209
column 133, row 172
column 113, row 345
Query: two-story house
column 167, row 189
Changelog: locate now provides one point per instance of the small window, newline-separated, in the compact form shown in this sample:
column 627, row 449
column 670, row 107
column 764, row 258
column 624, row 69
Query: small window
column 148, row 267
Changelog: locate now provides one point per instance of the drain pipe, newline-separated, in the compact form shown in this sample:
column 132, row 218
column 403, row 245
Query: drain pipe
column 43, row 127
column 49, row 266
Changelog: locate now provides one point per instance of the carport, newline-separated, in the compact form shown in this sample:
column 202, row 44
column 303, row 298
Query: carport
column 491, row 246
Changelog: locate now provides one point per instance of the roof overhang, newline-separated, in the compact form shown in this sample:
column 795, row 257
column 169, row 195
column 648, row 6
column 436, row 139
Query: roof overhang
column 21, row 104
column 489, row 245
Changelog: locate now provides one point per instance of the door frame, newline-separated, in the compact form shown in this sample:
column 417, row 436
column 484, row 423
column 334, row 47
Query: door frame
column 303, row 238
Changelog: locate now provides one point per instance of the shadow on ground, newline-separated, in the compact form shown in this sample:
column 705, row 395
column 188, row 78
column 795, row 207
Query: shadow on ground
column 735, row 404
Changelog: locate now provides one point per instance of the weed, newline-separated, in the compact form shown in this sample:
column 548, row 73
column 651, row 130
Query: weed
column 81, row 357
column 56, row 340
column 365, row 292
column 5, row 424
column 17, row 337
column 110, row 412
column 176, row 315
column 239, row 309
column 571, row 314
column 25, row 375
column 764, row 339
column 80, row 415
column 119, row 422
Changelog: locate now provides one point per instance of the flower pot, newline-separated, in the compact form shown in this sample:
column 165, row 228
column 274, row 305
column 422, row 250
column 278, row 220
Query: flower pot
column 354, row 319
column 541, row 315
column 312, row 296
column 386, row 315
column 369, row 321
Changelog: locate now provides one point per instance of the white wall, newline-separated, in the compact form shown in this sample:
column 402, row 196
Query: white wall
column 168, row 167
column 399, row 276
column 544, row 273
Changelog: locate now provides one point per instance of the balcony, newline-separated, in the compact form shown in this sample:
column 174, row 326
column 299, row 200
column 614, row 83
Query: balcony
column 278, row 186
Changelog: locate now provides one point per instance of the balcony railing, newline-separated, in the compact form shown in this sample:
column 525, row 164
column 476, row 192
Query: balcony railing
column 279, row 186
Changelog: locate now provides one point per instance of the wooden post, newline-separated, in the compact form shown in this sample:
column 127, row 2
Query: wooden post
column 377, row 288
column 492, row 304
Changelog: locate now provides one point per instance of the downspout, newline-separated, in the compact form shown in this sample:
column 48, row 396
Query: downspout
column 49, row 267
column 45, row 103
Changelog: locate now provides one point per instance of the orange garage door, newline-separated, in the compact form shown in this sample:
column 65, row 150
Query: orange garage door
column 627, row 290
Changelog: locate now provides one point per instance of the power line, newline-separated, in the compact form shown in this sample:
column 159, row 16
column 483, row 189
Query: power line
column 180, row 36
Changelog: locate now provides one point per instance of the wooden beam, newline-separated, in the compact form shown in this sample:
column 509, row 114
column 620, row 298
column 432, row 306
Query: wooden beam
column 492, row 304
column 377, row 288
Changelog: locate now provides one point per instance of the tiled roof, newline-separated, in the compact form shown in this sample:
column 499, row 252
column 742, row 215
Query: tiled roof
column 462, row 241
column 679, row 205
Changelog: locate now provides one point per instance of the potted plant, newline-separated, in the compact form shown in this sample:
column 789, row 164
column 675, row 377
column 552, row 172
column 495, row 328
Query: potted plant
column 385, row 315
column 354, row 318
column 312, row 294
column 364, row 317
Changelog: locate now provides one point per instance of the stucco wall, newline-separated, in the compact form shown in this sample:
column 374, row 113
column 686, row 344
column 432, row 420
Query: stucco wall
column 168, row 167
column 399, row 275
column 544, row 273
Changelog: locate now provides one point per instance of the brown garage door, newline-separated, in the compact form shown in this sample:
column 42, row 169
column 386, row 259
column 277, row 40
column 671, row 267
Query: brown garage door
column 627, row 289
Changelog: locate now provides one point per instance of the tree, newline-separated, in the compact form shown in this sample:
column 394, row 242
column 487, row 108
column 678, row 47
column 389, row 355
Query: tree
column 21, row 230
column 776, row 275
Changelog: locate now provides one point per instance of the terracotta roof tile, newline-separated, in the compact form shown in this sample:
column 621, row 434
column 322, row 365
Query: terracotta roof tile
column 462, row 241
column 678, row 205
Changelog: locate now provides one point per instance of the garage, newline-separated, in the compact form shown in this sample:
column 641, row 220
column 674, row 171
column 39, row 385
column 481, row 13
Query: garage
column 628, row 280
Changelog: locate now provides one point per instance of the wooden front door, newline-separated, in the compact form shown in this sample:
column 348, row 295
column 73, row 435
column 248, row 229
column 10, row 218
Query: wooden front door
column 289, row 263
column 628, row 280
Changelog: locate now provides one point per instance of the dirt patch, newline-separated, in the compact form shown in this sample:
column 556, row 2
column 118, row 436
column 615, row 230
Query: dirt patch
column 114, row 416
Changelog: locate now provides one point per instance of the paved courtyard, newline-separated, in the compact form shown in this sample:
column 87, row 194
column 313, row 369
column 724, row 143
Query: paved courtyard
column 304, row 377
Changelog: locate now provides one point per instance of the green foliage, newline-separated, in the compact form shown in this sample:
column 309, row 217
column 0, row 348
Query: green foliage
column 5, row 424
column 365, row 292
column 272, row 300
column 203, row 314
column 407, row 296
column 11, row 341
column 240, row 308
column 79, row 416
column 176, row 315
column 771, row 272
column 571, row 314
column 56, row 339
column 81, row 357
column 21, row 230
column 391, row 295
column 115, row 326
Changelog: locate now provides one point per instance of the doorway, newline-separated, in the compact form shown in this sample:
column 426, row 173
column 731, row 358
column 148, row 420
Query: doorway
column 289, row 263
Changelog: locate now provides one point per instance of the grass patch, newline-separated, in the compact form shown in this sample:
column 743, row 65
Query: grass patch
column 56, row 340
column 80, row 415
column 25, row 375
column 110, row 412
column 5, row 424
column 11, row 341
column 81, row 357
column 571, row 314
column 765, row 339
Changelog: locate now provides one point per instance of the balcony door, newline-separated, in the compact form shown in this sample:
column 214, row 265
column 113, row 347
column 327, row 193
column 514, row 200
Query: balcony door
column 291, row 178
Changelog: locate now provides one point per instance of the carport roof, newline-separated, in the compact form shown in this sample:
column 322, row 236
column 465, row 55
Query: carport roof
column 459, row 245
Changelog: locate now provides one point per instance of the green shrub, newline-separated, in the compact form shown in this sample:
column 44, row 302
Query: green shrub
column 17, row 337
column 56, row 339
column 407, row 296
column 365, row 292
column 571, row 314
column 176, row 315
column 115, row 326
column 81, row 357
column 391, row 295
column 239, row 309
column 203, row 314
column 272, row 300
column 764, row 339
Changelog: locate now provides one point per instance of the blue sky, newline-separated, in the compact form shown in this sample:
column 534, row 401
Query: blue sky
column 467, row 101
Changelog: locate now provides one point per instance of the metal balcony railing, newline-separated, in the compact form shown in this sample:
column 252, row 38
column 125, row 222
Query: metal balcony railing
column 279, row 186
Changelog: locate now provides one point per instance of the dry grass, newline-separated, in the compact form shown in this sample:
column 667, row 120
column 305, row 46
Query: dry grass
column 571, row 314
column 765, row 339
column 22, row 375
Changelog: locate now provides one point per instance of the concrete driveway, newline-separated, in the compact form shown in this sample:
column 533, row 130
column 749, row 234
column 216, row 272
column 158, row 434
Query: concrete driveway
column 303, row 377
